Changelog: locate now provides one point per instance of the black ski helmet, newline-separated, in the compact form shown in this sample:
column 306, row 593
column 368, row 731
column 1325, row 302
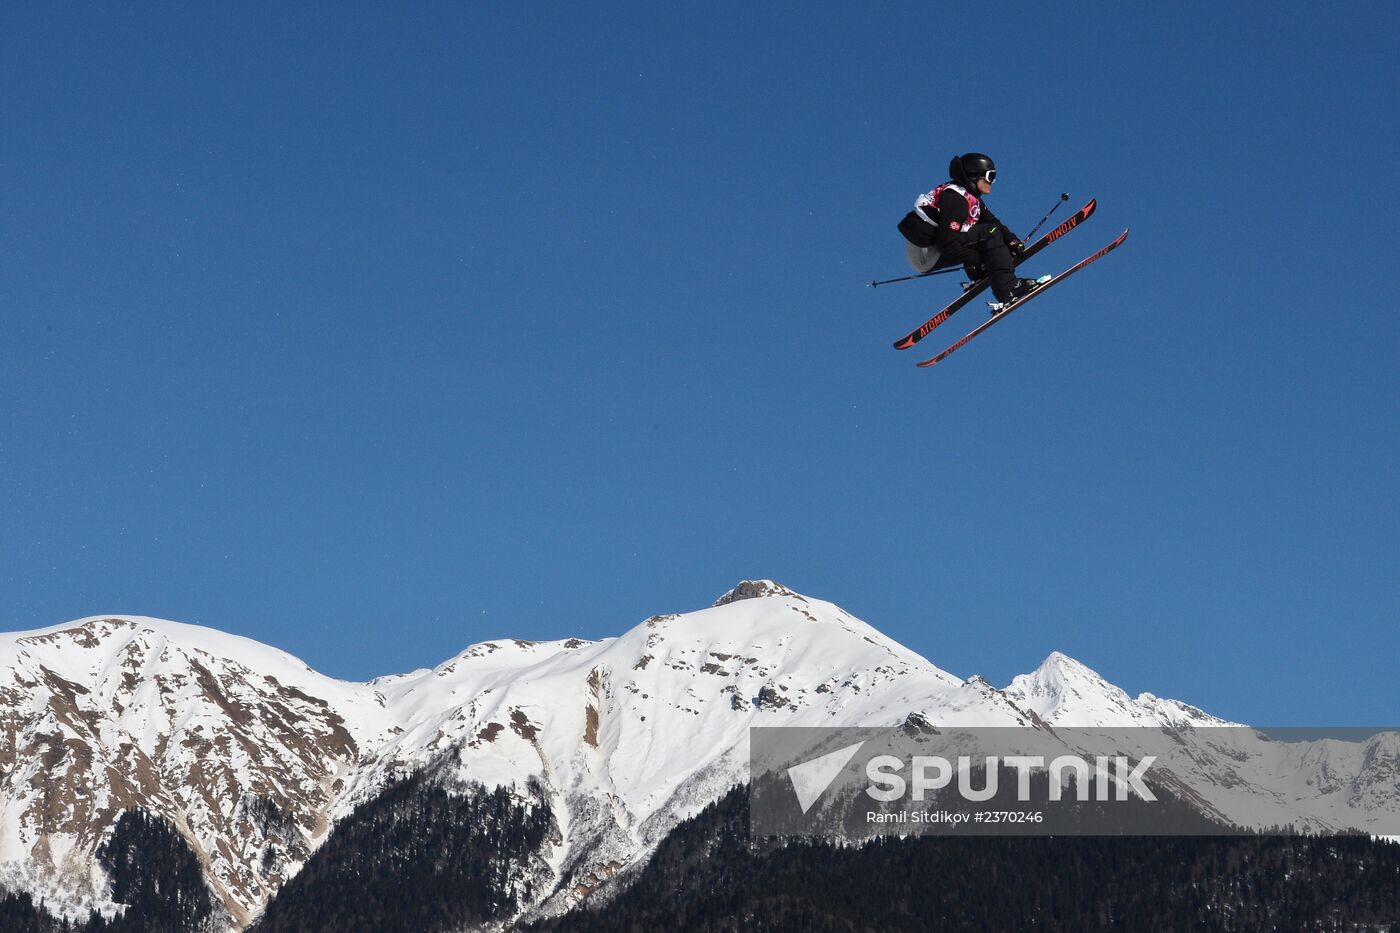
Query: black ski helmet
column 966, row 169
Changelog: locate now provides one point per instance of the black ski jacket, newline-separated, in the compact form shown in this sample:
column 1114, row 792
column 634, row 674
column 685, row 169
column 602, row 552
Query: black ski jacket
column 954, row 239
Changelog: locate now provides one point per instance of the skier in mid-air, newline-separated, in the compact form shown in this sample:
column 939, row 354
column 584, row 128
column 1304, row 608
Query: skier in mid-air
column 952, row 224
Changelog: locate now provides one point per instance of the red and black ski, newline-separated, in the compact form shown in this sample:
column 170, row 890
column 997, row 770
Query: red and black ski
column 1016, row 304
column 976, row 288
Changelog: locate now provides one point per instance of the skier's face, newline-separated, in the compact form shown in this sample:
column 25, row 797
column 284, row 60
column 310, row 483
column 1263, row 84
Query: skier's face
column 984, row 186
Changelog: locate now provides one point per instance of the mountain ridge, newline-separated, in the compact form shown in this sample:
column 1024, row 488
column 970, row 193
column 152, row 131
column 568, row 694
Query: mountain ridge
column 253, row 756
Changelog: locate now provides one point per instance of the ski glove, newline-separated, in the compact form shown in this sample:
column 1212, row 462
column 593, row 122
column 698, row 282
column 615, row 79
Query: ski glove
column 1016, row 247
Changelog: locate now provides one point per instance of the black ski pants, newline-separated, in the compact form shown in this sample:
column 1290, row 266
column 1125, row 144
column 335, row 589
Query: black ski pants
column 990, row 257
column 998, row 265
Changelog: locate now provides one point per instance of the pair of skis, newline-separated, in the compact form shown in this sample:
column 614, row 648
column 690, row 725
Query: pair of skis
column 976, row 288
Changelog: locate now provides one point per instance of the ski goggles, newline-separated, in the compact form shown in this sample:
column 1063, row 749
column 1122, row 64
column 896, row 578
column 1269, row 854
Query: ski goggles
column 991, row 176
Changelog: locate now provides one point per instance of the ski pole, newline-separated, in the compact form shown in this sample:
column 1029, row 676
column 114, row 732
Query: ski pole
column 921, row 275
column 1063, row 199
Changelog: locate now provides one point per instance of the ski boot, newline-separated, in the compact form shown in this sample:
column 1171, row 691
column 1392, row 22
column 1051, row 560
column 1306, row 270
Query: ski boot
column 1021, row 289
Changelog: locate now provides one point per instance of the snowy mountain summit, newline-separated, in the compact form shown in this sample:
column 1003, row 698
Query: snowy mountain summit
column 254, row 757
column 1063, row 691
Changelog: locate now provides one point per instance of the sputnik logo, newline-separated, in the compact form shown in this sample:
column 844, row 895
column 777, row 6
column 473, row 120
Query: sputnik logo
column 811, row 778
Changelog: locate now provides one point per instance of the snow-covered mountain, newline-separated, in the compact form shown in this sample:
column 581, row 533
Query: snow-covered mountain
column 1236, row 774
column 253, row 756
column 1064, row 692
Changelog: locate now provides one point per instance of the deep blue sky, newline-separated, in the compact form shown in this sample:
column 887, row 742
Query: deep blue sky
column 371, row 334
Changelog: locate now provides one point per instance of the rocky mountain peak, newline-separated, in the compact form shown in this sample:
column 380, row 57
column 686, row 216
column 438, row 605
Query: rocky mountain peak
column 755, row 589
